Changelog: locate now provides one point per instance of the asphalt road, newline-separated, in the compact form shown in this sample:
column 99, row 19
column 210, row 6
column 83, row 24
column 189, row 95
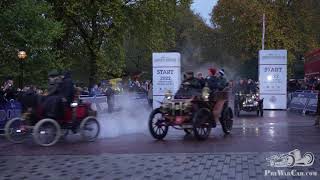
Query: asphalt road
column 126, row 150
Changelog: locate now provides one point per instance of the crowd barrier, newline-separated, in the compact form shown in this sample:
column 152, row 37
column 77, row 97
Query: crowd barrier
column 101, row 105
column 8, row 110
column 304, row 101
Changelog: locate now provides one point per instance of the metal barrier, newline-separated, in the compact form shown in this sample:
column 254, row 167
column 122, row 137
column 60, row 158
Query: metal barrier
column 101, row 105
column 9, row 110
column 304, row 101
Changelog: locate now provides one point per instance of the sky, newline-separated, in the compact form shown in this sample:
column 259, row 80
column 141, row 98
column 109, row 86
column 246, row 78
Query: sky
column 204, row 7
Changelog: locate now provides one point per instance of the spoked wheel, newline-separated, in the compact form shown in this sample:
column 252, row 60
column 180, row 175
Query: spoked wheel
column 16, row 131
column 202, row 123
column 46, row 132
column 157, row 125
column 226, row 120
column 90, row 128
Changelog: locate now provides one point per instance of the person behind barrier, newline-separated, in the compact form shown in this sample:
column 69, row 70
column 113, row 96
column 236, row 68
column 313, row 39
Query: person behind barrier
column 109, row 92
column 8, row 91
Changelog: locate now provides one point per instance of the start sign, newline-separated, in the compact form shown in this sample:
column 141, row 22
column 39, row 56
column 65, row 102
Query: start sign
column 273, row 78
column 166, row 75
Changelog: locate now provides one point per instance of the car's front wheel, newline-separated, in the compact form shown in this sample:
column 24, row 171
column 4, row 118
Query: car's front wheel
column 157, row 124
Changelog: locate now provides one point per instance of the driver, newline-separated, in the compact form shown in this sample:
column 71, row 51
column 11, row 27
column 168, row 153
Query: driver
column 191, row 81
column 252, row 87
column 241, row 87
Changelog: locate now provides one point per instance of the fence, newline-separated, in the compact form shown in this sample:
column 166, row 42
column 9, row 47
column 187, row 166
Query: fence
column 304, row 101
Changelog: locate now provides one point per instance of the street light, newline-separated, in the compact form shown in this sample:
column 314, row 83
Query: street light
column 22, row 55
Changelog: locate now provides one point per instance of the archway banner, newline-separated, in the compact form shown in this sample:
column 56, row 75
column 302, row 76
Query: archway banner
column 273, row 78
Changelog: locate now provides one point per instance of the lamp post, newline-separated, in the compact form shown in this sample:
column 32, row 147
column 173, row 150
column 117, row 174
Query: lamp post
column 22, row 55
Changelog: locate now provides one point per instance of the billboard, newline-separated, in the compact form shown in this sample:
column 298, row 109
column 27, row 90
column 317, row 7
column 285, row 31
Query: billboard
column 166, row 75
column 273, row 78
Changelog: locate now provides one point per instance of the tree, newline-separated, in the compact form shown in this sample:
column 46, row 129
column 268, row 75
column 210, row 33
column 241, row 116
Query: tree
column 28, row 25
column 289, row 25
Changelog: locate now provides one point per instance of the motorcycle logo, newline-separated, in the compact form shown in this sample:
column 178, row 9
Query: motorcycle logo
column 291, row 159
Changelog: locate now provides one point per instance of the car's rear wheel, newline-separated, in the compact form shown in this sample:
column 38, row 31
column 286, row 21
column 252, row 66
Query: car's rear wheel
column 16, row 130
column 157, row 124
column 202, row 123
column 89, row 128
column 226, row 120
column 46, row 132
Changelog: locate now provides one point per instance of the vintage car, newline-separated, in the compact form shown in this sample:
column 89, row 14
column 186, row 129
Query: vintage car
column 191, row 110
column 248, row 102
column 78, row 118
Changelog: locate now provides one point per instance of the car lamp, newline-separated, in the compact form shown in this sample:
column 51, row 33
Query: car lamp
column 205, row 93
column 168, row 95
column 74, row 104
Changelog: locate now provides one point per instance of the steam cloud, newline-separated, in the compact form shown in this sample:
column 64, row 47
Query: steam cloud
column 132, row 117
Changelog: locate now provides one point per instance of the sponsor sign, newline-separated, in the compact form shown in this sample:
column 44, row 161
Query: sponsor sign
column 166, row 75
column 273, row 78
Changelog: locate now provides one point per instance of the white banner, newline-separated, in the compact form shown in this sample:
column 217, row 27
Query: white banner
column 166, row 75
column 273, row 78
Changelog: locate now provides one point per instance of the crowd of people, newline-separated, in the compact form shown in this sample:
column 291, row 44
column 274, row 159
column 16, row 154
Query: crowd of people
column 309, row 83
column 61, row 89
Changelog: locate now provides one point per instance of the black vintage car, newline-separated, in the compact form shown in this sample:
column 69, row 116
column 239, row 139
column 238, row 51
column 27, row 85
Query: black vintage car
column 193, row 111
column 248, row 102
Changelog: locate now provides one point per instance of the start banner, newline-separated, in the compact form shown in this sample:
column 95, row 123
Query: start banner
column 166, row 75
column 273, row 78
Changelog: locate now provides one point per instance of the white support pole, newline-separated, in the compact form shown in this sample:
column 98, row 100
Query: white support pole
column 263, row 29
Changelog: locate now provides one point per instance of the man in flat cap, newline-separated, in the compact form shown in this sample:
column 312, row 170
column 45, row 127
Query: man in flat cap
column 191, row 81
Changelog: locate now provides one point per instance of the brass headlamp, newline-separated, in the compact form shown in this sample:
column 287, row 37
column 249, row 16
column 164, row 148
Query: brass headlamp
column 168, row 95
column 205, row 93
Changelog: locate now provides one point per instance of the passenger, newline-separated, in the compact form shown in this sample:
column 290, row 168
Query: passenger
column 67, row 88
column 212, row 80
column 109, row 92
column 222, row 81
column 202, row 81
column 53, row 106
